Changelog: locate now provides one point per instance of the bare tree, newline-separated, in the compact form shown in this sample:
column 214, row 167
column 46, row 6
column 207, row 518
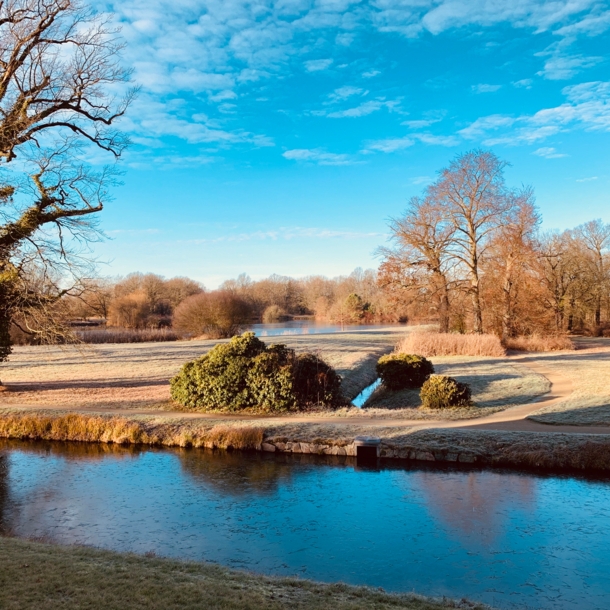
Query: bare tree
column 512, row 250
column 59, row 78
column 560, row 270
column 421, row 256
column 472, row 195
column 595, row 237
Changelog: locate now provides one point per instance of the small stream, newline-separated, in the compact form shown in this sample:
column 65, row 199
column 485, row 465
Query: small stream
column 366, row 394
column 514, row 540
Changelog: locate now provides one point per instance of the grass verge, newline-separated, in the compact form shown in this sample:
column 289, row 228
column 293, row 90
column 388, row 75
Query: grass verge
column 34, row 575
column 123, row 431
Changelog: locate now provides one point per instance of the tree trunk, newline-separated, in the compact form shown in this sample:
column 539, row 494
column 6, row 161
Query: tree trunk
column 477, row 315
column 507, row 314
column 443, row 312
column 598, row 311
column 443, row 302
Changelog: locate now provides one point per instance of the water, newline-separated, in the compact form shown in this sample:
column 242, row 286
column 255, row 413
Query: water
column 510, row 539
column 310, row 327
column 366, row 393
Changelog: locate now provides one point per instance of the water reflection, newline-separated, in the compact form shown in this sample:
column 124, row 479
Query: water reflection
column 228, row 473
column 475, row 506
column 508, row 539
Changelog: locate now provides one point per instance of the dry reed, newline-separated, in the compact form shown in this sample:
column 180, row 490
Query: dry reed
column 450, row 344
column 96, row 429
column 126, row 335
column 536, row 343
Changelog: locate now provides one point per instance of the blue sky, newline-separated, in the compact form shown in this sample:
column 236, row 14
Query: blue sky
column 279, row 137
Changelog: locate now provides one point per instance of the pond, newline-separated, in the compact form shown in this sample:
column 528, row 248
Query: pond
column 311, row 327
column 513, row 540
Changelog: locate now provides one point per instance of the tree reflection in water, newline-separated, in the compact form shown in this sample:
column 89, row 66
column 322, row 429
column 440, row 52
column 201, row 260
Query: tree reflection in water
column 241, row 473
column 476, row 506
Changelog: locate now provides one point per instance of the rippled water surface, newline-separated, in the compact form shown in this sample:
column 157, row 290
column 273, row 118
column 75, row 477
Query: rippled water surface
column 512, row 540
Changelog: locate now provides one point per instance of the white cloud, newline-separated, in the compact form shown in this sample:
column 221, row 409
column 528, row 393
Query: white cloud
column 317, row 155
column 343, row 93
column 484, row 88
column 524, row 83
column 589, row 179
column 388, row 145
column 565, row 67
column 549, row 152
column 363, row 109
column 317, row 65
column 370, row 73
column 419, row 124
column 428, row 138
column 484, row 124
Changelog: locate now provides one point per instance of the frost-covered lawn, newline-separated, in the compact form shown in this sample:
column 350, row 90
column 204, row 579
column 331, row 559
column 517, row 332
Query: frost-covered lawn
column 589, row 372
column 136, row 375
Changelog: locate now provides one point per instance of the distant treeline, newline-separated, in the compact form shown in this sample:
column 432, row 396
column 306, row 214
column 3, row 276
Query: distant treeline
column 143, row 304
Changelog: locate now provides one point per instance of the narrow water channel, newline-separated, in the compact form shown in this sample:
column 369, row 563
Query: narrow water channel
column 513, row 540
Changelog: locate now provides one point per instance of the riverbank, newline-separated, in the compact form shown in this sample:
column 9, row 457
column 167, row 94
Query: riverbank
column 36, row 575
column 490, row 448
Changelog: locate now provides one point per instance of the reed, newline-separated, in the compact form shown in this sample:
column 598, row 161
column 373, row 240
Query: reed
column 122, row 431
column 450, row 344
column 126, row 335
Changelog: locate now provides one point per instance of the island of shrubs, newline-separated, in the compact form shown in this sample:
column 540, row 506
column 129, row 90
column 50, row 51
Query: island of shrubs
column 409, row 371
column 245, row 374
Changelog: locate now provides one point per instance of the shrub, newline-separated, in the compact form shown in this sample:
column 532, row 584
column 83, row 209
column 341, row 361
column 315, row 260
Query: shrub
column 246, row 374
column 216, row 314
column 450, row 344
column 440, row 392
column 315, row 382
column 400, row 371
column 273, row 314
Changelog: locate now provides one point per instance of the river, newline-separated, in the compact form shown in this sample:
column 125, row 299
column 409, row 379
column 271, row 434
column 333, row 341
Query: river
column 511, row 539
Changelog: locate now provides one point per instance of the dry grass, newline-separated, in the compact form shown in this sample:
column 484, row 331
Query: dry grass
column 136, row 375
column 126, row 335
column 122, row 431
column 450, row 344
column 35, row 575
column 537, row 343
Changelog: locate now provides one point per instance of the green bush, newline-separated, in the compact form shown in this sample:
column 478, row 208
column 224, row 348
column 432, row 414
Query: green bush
column 401, row 371
column 440, row 392
column 246, row 374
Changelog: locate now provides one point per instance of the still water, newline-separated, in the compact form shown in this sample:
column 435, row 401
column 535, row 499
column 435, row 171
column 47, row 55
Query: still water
column 311, row 327
column 510, row 539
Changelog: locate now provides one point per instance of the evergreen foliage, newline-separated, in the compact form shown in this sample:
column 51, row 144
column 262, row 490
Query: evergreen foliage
column 401, row 371
column 441, row 392
column 246, row 374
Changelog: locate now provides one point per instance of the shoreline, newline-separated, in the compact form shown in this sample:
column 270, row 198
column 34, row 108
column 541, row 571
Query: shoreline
column 38, row 574
column 553, row 450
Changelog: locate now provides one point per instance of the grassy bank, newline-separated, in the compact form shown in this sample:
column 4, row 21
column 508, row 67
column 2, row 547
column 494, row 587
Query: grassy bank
column 35, row 575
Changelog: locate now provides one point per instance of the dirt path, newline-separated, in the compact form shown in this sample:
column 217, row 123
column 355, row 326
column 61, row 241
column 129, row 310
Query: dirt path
column 513, row 419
